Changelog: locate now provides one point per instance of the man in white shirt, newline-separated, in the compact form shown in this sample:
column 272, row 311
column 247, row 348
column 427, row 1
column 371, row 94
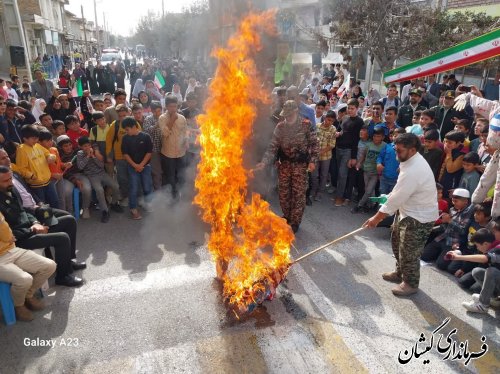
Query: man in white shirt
column 174, row 142
column 414, row 200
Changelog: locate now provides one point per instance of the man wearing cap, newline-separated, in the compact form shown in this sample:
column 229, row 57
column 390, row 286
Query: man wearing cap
column 405, row 112
column 305, row 111
column 414, row 202
column 40, row 230
column 455, row 235
column 446, row 115
column 295, row 145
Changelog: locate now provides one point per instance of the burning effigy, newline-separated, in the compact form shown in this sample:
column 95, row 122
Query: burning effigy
column 249, row 243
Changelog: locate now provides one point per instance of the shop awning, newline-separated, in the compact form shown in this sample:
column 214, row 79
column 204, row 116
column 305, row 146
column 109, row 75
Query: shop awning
column 481, row 48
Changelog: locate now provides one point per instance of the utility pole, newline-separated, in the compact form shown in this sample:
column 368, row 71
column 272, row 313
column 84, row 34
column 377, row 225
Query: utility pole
column 85, row 33
column 97, row 30
column 106, row 35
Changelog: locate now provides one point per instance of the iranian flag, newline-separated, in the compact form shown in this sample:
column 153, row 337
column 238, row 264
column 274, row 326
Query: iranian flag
column 159, row 81
column 77, row 90
column 481, row 48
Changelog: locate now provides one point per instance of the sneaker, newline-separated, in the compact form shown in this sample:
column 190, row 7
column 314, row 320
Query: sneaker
column 23, row 314
column 317, row 198
column 356, row 209
column 346, row 202
column 392, row 277
column 331, row 190
column 148, row 207
column 116, row 208
column 309, row 201
column 475, row 307
column 135, row 214
column 105, row 216
column 34, row 304
column 86, row 213
column 404, row 289
column 339, row 201
column 494, row 301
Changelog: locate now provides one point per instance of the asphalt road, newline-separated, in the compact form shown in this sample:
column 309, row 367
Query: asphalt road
column 151, row 305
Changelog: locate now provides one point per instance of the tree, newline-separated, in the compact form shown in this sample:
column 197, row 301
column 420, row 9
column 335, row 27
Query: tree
column 450, row 28
column 174, row 34
column 387, row 29
column 391, row 29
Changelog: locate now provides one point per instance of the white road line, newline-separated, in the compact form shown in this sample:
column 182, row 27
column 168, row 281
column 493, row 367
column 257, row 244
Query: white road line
column 167, row 278
column 368, row 333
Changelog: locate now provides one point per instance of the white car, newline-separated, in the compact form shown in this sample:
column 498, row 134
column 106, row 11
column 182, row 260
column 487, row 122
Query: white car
column 107, row 57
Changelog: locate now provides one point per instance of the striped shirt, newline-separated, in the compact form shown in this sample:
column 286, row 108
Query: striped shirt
column 89, row 165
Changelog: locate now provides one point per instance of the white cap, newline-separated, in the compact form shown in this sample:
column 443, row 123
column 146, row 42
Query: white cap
column 461, row 192
column 62, row 138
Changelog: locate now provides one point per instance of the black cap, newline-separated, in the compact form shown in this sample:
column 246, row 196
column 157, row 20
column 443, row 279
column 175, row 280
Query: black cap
column 450, row 94
column 97, row 115
column 45, row 215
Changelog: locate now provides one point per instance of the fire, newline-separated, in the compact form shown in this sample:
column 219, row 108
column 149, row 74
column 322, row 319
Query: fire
column 250, row 244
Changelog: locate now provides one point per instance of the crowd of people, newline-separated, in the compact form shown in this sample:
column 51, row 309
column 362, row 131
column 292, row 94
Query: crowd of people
column 112, row 148
column 332, row 139
column 116, row 148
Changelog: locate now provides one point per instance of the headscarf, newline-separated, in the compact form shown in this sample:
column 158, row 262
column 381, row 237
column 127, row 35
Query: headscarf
column 138, row 86
column 37, row 110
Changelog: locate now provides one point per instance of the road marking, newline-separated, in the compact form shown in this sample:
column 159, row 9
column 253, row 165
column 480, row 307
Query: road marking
column 166, row 278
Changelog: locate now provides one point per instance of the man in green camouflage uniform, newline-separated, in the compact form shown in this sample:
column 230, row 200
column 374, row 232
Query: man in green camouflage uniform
column 295, row 146
column 414, row 200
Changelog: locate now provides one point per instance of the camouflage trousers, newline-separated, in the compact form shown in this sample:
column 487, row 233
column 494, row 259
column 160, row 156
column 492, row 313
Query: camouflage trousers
column 408, row 240
column 292, row 186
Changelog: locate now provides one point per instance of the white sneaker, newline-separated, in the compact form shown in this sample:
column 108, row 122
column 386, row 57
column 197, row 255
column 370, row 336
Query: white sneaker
column 475, row 307
column 494, row 301
column 86, row 213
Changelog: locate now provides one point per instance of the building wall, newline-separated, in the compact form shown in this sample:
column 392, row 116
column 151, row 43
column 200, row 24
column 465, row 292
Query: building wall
column 28, row 8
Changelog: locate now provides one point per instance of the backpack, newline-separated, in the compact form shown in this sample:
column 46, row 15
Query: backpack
column 396, row 101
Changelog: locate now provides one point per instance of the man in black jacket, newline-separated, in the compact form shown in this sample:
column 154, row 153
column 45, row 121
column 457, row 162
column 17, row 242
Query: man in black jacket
column 446, row 115
column 347, row 149
column 405, row 113
column 31, row 233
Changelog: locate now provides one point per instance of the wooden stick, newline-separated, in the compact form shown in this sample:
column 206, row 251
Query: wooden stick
column 328, row 244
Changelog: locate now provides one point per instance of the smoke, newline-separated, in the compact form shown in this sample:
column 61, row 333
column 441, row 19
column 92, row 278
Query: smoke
column 174, row 225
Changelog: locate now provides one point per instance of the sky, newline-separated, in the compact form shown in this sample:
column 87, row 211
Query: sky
column 123, row 15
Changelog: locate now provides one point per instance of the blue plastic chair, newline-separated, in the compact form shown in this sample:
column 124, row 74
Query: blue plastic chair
column 9, row 314
column 76, row 203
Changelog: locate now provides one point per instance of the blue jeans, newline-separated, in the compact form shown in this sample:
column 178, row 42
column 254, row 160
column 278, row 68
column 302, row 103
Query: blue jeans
column 47, row 194
column 387, row 185
column 145, row 179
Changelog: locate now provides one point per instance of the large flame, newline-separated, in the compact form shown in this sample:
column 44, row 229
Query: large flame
column 247, row 238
